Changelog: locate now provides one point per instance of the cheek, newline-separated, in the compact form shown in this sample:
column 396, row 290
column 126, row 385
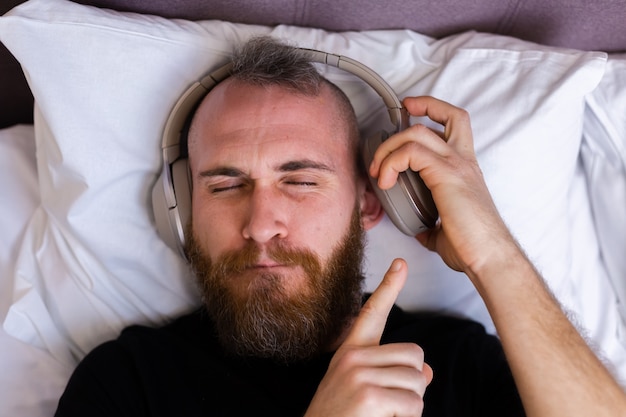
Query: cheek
column 322, row 227
column 213, row 227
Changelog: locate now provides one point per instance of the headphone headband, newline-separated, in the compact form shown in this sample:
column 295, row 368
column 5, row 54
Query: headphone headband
column 171, row 195
column 196, row 92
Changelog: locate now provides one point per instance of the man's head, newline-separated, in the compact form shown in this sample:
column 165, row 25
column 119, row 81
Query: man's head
column 279, row 205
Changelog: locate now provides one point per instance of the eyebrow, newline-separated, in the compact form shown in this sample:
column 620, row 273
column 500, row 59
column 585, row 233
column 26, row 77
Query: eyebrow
column 290, row 166
column 304, row 164
column 221, row 171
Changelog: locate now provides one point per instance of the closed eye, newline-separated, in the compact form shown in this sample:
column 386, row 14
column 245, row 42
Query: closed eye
column 223, row 179
column 304, row 173
column 302, row 183
column 216, row 190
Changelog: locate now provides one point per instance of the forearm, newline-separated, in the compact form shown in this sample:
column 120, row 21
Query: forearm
column 555, row 370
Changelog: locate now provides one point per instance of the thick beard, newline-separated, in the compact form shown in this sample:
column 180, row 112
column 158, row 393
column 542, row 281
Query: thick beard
column 267, row 323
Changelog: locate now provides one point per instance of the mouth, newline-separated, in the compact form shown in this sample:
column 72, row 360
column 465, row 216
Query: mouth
column 278, row 265
column 265, row 261
column 272, row 268
column 267, row 264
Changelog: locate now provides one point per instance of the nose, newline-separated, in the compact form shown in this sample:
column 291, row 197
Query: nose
column 266, row 216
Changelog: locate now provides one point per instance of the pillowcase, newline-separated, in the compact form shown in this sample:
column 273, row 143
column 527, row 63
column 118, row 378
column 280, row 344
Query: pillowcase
column 604, row 157
column 104, row 82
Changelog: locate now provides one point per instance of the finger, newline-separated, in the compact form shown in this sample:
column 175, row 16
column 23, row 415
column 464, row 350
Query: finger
column 400, row 355
column 381, row 356
column 369, row 325
column 414, row 157
column 401, row 403
column 398, row 152
column 456, row 121
column 428, row 373
column 397, row 377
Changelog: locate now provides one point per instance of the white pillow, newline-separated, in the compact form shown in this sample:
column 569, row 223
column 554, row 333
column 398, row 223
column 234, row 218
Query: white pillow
column 604, row 156
column 104, row 83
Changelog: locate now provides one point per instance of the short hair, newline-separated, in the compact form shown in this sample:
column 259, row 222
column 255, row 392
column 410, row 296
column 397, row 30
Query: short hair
column 266, row 61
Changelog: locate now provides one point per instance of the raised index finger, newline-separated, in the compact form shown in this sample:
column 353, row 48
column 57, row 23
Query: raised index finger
column 369, row 325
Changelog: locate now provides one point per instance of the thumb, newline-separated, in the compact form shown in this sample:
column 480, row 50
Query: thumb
column 370, row 323
column 428, row 238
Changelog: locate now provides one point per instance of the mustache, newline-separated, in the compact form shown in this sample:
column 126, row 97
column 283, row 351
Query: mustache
column 238, row 261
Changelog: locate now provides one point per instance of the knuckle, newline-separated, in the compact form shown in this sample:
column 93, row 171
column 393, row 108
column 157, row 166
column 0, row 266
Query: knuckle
column 370, row 309
column 463, row 115
column 416, row 350
column 350, row 359
column 460, row 115
column 411, row 349
column 352, row 356
column 416, row 404
column 370, row 396
column 413, row 147
column 418, row 130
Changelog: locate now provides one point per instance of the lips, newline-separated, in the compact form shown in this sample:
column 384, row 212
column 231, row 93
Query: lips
column 266, row 260
column 266, row 264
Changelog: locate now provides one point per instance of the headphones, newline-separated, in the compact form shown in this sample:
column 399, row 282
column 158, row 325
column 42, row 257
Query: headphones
column 409, row 203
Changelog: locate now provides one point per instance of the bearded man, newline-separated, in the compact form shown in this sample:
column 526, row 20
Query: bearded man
column 280, row 206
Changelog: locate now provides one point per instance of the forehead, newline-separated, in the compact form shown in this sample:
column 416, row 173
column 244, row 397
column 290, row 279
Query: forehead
column 236, row 117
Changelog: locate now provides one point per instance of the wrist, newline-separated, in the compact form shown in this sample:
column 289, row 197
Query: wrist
column 505, row 262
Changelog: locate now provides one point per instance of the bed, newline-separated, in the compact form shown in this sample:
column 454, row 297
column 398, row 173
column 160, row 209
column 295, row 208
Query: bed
column 87, row 87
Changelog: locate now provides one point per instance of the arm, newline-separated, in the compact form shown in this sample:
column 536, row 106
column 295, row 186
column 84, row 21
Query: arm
column 554, row 369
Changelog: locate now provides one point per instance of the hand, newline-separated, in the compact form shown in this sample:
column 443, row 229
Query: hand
column 470, row 231
column 555, row 371
column 367, row 379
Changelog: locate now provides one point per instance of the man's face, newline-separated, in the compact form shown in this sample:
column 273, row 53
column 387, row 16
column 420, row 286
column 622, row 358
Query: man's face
column 264, row 322
column 274, row 187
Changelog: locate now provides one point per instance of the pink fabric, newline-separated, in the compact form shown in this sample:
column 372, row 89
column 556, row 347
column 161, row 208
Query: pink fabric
column 579, row 24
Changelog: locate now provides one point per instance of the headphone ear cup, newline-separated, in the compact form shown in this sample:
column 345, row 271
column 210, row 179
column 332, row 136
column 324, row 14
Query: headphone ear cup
column 181, row 213
column 409, row 203
column 161, row 208
column 171, row 202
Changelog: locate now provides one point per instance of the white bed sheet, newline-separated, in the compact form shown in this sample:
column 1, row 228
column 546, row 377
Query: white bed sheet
column 31, row 379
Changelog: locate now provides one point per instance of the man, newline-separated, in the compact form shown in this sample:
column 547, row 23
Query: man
column 280, row 204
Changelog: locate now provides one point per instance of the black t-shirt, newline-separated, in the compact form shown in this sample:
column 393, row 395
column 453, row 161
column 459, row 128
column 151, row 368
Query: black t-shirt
column 180, row 370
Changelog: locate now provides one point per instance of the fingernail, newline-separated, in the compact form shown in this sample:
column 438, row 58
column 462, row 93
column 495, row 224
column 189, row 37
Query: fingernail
column 396, row 265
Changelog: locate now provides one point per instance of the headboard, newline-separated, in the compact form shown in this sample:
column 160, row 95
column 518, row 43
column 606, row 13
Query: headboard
column 578, row 24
